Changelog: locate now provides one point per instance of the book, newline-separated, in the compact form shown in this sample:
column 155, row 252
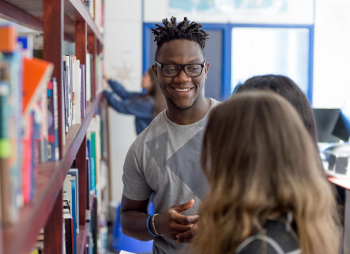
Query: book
column 9, row 212
column 88, row 77
column 93, row 161
column 8, row 35
column 87, row 209
column 36, row 74
column 52, row 121
column 35, row 146
column 82, row 94
column 77, row 92
column 14, row 105
column 27, row 45
column 68, row 225
column 65, row 93
column 63, row 119
column 74, row 172
column 69, row 186
column 27, row 158
column 72, row 87
column 68, row 62
column 44, row 136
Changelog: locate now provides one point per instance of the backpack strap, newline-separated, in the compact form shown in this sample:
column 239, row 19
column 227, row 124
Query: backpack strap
column 264, row 238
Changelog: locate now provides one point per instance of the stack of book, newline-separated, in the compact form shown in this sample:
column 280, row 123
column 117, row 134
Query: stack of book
column 24, row 130
column 77, row 87
column 29, row 115
column 95, row 8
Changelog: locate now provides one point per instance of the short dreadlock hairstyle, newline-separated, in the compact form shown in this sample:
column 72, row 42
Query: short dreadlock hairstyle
column 184, row 30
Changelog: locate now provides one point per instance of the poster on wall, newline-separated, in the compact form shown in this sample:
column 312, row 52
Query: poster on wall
column 244, row 11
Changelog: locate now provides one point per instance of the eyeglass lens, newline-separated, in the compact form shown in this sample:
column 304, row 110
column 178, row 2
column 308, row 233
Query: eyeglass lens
column 192, row 70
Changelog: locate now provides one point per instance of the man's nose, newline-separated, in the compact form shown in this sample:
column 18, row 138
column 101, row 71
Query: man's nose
column 182, row 77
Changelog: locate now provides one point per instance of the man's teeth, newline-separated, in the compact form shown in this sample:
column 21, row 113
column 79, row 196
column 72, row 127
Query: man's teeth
column 182, row 90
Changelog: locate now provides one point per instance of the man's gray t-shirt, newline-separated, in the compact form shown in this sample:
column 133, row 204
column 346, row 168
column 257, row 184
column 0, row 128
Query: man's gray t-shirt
column 165, row 160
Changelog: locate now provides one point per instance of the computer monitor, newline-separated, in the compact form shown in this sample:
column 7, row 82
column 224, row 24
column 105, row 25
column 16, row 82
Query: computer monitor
column 342, row 126
column 325, row 121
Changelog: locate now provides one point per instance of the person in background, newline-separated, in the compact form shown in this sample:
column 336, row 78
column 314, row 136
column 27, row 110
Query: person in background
column 285, row 87
column 267, row 194
column 144, row 106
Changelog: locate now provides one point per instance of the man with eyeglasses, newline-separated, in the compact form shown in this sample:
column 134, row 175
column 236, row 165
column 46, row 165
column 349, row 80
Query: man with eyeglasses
column 164, row 159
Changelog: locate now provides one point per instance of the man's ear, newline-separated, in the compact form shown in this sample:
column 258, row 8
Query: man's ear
column 154, row 68
column 206, row 69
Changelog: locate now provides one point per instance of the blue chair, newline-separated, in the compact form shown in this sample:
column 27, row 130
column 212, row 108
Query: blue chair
column 123, row 242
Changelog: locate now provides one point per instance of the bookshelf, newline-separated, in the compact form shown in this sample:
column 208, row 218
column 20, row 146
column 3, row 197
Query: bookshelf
column 59, row 20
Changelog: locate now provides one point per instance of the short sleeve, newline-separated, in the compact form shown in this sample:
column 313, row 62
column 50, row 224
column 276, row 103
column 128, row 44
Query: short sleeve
column 135, row 184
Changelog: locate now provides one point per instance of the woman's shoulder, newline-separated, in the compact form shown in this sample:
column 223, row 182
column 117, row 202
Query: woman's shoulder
column 277, row 239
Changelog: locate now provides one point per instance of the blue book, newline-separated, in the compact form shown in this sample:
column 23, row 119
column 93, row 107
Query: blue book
column 74, row 213
column 74, row 172
column 92, row 165
column 15, row 131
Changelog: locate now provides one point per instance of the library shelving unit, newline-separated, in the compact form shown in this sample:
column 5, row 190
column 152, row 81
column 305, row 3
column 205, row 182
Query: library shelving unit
column 59, row 20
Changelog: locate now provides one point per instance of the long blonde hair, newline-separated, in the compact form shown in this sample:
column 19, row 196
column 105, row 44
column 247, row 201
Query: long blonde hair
column 261, row 163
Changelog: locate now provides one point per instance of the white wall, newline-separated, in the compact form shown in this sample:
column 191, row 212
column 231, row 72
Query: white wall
column 332, row 53
column 123, row 62
column 223, row 11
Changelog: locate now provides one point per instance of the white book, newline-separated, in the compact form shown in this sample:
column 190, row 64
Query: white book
column 67, row 59
column 77, row 91
column 88, row 78
column 63, row 119
column 67, row 187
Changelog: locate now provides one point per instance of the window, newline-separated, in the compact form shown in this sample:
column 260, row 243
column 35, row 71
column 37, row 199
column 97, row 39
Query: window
column 268, row 50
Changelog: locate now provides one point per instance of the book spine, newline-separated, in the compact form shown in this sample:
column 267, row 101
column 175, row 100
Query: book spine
column 36, row 147
column 72, row 109
column 77, row 91
column 27, row 158
column 82, row 96
column 8, row 207
column 14, row 61
column 52, row 119
column 50, row 122
column 88, row 78
column 55, row 106
column 44, row 128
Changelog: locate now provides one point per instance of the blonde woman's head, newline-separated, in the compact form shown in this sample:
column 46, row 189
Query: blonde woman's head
column 261, row 163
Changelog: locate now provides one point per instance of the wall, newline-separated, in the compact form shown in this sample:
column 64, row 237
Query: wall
column 332, row 53
column 123, row 61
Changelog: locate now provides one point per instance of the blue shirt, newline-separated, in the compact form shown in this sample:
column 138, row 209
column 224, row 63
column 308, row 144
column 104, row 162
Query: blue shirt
column 131, row 103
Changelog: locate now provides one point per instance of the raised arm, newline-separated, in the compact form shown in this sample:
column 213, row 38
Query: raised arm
column 138, row 107
column 120, row 90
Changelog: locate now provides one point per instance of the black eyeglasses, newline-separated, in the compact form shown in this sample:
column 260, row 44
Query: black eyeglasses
column 173, row 70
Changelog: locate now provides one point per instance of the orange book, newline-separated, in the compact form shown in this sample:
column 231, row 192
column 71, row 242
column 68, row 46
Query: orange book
column 8, row 39
column 36, row 75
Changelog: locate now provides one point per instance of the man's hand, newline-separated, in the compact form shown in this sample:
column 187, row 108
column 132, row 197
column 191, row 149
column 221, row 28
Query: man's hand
column 172, row 223
column 188, row 235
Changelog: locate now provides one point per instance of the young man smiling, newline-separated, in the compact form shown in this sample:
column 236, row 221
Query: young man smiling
column 164, row 159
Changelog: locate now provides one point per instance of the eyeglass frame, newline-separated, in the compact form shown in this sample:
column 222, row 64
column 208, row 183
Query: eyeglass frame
column 182, row 66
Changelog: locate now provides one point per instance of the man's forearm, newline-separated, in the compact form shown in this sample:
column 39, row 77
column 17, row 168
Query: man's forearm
column 134, row 224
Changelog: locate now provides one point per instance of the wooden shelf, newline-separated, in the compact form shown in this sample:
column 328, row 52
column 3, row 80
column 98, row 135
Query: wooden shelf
column 21, row 237
column 29, row 13
column 83, row 230
column 82, row 237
